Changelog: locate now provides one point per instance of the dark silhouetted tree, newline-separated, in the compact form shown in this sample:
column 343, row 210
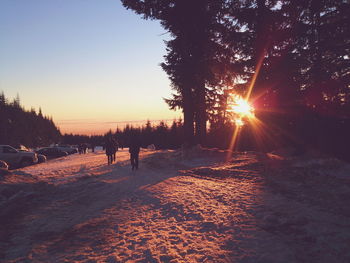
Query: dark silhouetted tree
column 18, row 126
column 193, row 53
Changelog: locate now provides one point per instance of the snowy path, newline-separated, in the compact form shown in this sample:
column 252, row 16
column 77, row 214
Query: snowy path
column 82, row 210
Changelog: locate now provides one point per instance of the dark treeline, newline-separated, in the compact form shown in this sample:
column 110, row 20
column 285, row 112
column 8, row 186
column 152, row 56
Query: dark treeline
column 162, row 136
column 77, row 139
column 19, row 126
column 295, row 55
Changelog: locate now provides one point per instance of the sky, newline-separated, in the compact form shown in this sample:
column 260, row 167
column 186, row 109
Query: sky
column 91, row 65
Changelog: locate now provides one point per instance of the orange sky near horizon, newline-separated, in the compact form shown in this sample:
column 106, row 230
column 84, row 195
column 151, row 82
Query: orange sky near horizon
column 97, row 127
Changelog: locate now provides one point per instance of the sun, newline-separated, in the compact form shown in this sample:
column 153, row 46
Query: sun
column 240, row 108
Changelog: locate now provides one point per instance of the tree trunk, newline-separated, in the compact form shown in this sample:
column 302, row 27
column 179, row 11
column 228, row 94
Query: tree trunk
column 201, row 115
column 188, row 111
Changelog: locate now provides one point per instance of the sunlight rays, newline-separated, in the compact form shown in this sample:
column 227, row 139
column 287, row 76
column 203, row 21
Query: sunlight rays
column 240, row 110
column 244, row 110
column 240, row 107
column 255, row 76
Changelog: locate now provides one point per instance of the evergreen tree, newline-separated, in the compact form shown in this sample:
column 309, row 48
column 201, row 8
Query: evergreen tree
column 18, row 126
column 192, row 53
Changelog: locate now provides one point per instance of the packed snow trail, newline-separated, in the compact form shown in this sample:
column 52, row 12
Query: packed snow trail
column 175, row 208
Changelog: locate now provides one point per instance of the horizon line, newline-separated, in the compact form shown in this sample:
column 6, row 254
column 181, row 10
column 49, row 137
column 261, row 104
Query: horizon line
column 91, row 121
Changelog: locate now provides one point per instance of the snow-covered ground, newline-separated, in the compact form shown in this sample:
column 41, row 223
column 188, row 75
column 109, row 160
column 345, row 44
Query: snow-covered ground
column 177, row 207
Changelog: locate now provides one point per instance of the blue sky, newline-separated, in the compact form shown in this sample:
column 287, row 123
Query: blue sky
column 83, row 61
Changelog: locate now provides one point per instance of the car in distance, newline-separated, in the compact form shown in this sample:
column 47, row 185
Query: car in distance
column 15, row 158
column 51, row 152
column 66, row 148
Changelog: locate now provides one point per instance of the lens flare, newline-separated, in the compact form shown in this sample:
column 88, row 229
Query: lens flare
column 240, row 109
column 247, row 110
column 239, row 122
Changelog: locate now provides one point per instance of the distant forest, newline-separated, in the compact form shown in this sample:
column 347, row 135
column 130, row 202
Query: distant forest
column 19, row 126
column 31, row 129
column 161, row 135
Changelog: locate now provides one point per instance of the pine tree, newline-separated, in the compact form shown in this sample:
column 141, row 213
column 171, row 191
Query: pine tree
column 190, row 52
column 18, row 126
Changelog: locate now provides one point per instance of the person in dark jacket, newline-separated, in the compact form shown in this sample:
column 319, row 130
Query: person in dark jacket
column 110, row 150
column 115, row 145
column 134, row 151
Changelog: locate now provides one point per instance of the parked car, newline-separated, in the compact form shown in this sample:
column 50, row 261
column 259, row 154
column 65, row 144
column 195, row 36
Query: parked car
column 21, row 147
column 66, row 148
column 52, row 152
column 41, row 158
column 15, row 158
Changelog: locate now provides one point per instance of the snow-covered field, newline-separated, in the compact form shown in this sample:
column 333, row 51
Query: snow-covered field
column 177, row 207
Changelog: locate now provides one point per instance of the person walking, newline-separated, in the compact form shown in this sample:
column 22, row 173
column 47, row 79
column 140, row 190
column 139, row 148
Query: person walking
column 134, row 151
column 110, row 150
column 115, row 149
